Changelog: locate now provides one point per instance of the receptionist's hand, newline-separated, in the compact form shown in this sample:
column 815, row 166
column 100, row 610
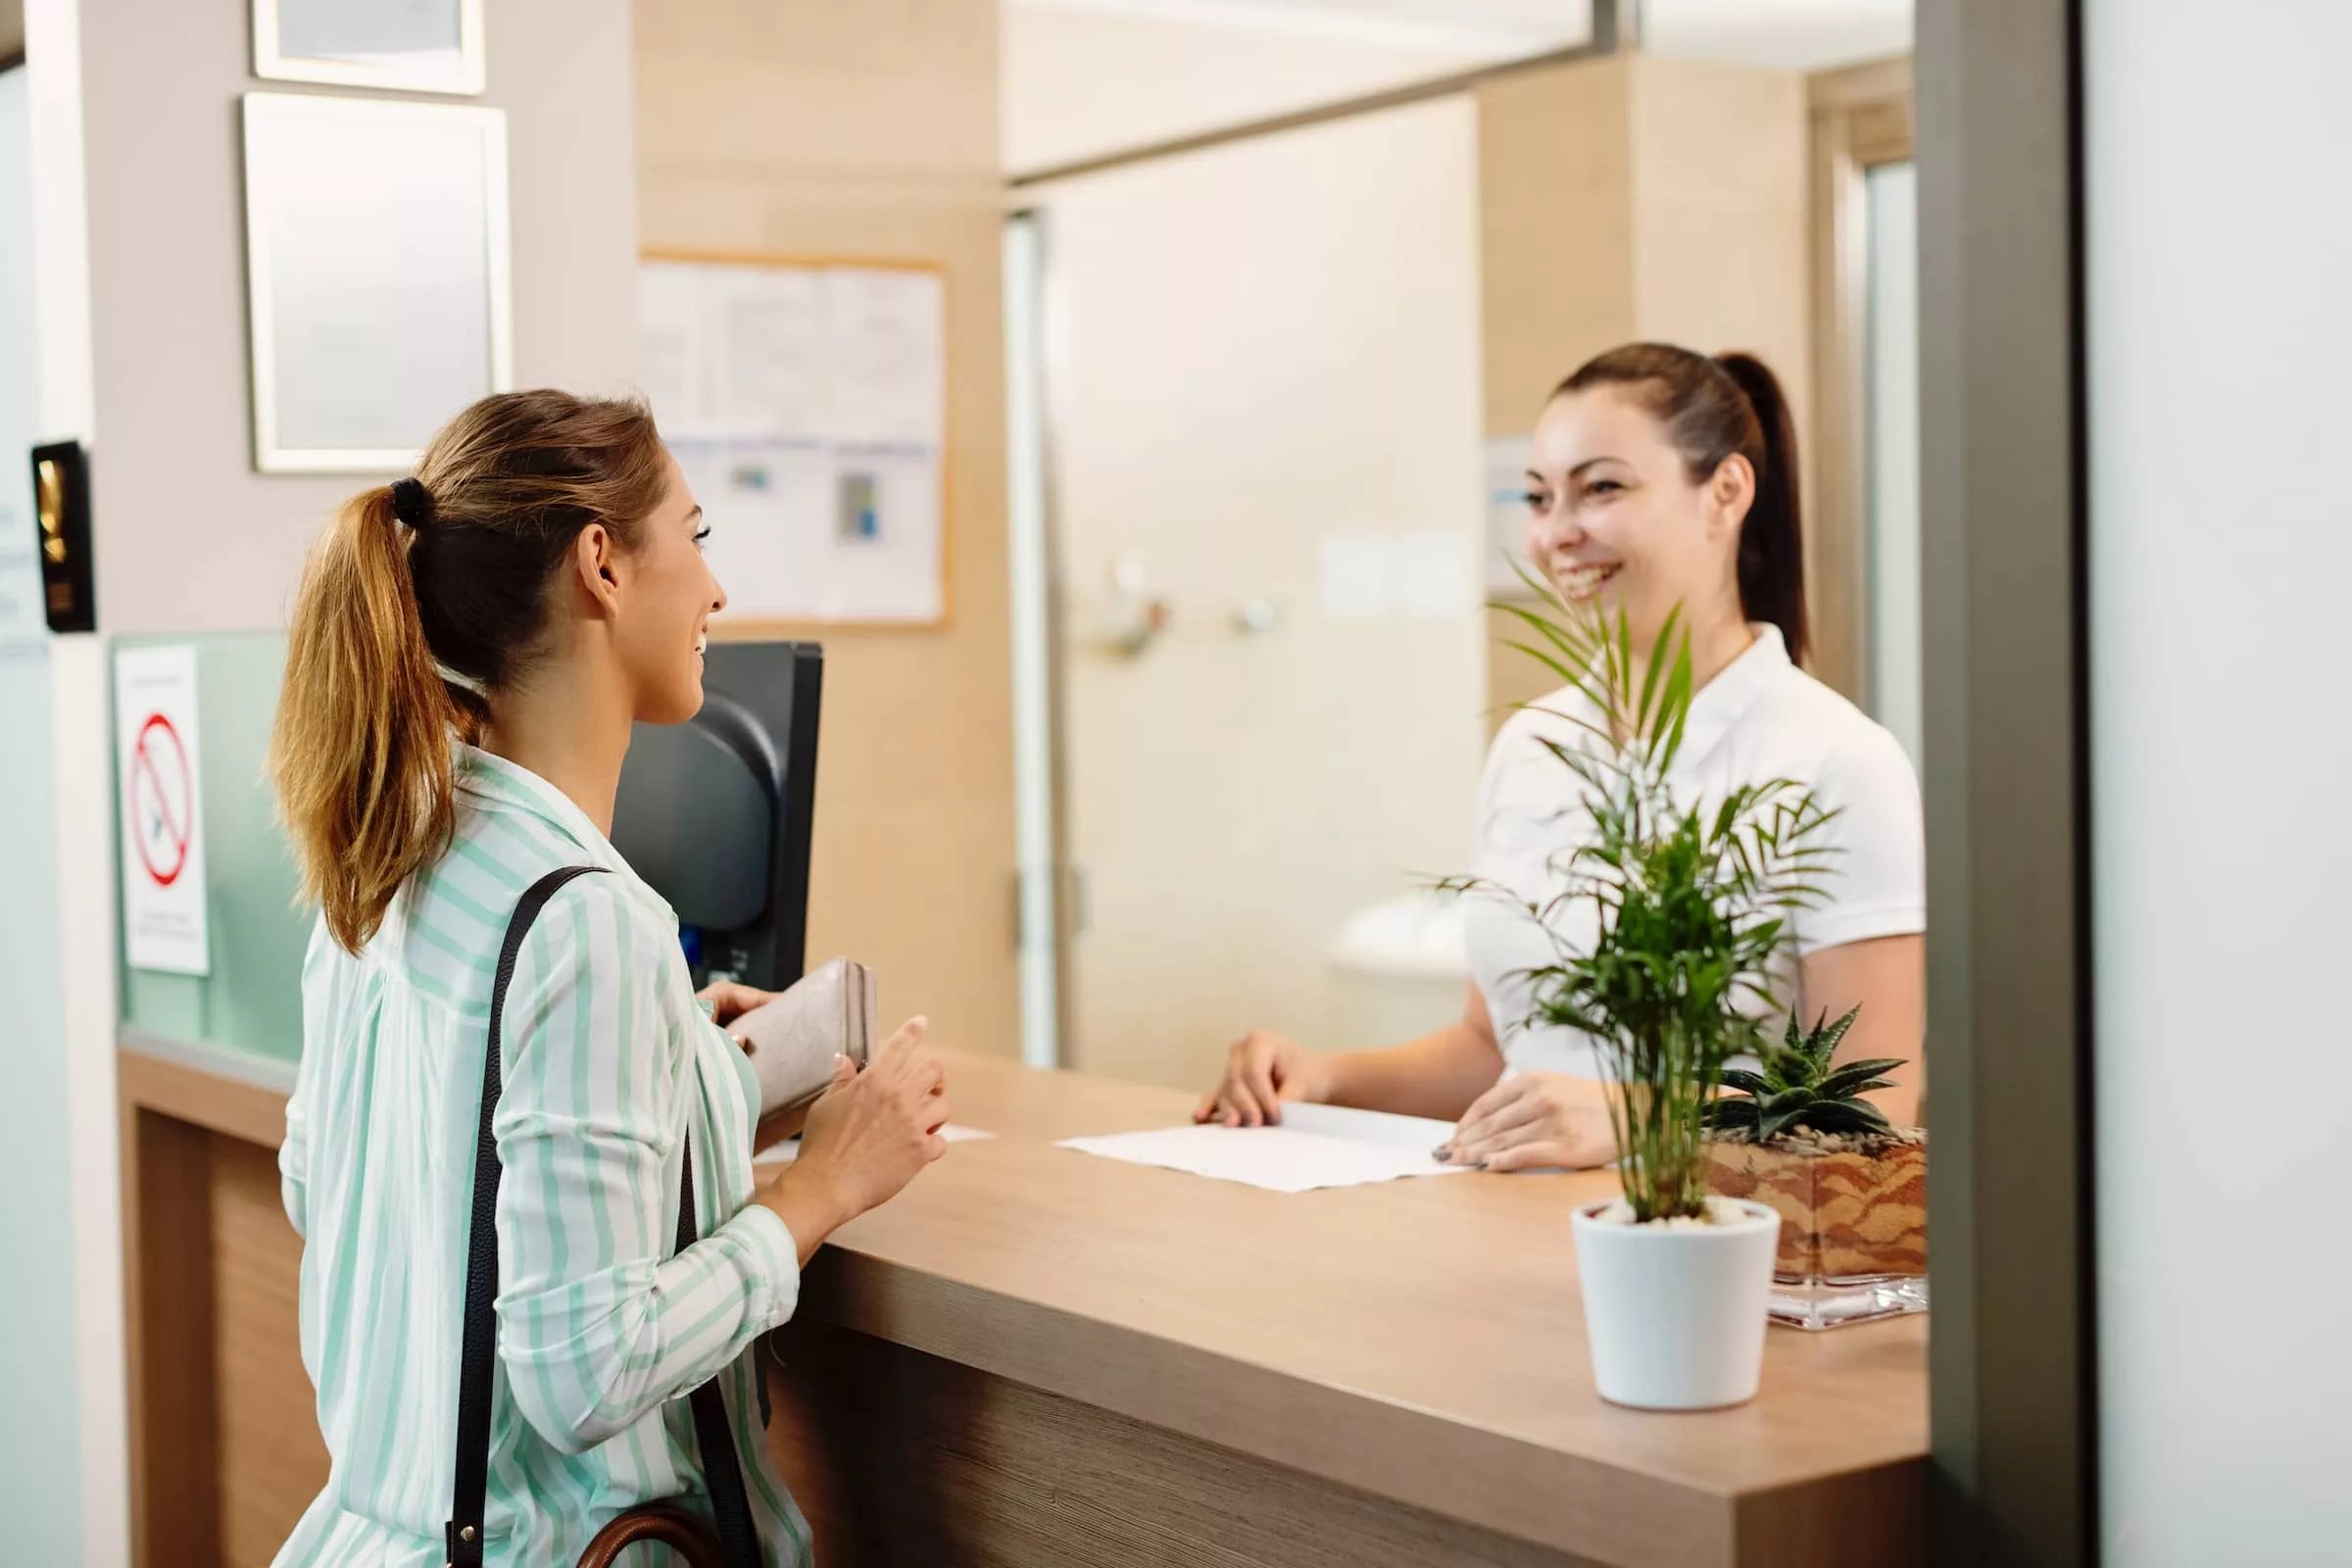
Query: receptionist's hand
column 1261, row 1071
column 1536, row 1120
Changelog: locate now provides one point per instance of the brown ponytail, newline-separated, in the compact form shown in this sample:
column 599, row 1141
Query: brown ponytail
column 1713, row 408
column 419, row 604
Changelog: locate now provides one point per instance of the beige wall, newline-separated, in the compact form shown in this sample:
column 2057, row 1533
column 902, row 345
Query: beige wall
column 819, row 127
column 1629, row 197
column 1081, row 83
column 188, row 537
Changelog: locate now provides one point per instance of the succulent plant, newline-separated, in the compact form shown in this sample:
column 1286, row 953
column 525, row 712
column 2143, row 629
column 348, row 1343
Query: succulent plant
column 1799, row 1088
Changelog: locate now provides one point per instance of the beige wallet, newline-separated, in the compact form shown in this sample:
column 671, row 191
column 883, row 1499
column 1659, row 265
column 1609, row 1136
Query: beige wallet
column 794, row 1039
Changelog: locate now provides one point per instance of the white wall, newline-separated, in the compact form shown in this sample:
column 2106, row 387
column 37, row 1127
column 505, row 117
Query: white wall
column 2220, row 557
column 1081, row 80
column 39, row 1402
column 1792, row 34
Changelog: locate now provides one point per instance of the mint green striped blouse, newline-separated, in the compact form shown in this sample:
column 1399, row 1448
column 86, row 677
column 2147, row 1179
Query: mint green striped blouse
column 610, row 1061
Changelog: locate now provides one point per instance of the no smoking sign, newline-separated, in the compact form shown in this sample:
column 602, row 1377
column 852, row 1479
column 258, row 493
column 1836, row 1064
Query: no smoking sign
column 158, row 776
column 163, row 799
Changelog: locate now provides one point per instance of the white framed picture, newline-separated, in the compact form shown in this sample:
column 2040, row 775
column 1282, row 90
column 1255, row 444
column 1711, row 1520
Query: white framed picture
column 404, row 45
column 379, row 276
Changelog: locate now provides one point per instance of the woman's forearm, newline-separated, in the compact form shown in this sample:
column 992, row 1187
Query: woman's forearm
column 807, row 1205
column 1886, row 978
column 1436, row 1075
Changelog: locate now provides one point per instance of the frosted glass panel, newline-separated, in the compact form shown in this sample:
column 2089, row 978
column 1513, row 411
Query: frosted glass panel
column 19, row 561
column 1891, row 394
column 2220, row 550
column 252, row 999
column 39, row 1400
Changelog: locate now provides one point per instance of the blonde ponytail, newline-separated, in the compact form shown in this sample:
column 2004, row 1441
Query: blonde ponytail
column 361, row 749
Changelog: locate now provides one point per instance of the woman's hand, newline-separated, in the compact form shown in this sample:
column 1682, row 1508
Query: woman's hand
column 1535, row 1120
column 868, row 1135
column 1261, row 1071
column 730, row 1000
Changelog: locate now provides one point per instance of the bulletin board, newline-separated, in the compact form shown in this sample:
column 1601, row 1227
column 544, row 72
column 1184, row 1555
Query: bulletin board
column 805, row 401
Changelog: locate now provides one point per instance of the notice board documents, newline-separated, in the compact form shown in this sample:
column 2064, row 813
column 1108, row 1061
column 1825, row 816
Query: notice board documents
column 808, row 406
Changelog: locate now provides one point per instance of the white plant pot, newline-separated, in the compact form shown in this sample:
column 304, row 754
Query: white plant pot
column 1676, row 1313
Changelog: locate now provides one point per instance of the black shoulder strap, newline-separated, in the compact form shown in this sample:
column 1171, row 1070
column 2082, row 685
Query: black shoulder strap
column 713, row 1438
column 465, row 1531
column 723, row 1474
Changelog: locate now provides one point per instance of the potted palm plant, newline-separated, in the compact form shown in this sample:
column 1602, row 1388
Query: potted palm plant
column 1693, row 899
column 1852, row 1189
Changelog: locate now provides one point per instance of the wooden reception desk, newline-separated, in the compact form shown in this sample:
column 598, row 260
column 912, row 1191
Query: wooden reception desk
column 1039, row 1357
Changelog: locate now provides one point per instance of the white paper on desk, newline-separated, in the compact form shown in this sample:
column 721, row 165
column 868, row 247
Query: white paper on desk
column 784, row 1153
column 1315, row 1146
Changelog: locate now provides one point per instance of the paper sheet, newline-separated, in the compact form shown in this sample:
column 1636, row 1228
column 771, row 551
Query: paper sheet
column 1314, row 1146
column 784, row 1153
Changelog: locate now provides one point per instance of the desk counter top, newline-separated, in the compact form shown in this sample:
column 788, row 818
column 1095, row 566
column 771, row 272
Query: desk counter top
column 1421, row 1340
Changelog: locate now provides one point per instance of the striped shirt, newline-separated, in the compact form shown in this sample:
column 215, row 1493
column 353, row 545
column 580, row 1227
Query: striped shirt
column 608, row 1063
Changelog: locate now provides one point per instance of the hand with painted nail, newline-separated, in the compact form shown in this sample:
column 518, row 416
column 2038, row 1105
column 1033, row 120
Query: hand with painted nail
column 1536, row 1120
column 867, row 1135
column 1263, row 1070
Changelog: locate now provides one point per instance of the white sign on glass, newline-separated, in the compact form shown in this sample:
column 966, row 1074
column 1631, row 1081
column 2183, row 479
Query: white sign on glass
column 161, row 808
column 404, row 45
column 376, row 256
column 1506, row 462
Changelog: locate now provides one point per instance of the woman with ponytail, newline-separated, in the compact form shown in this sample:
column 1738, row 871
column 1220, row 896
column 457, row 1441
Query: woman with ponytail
column 1661, row 478
column 468, row 652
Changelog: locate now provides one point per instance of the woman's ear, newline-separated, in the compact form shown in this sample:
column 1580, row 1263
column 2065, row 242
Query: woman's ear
column 1731, row 491
column 597, row 565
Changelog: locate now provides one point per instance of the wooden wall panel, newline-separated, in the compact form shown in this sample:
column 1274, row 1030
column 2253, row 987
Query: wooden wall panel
column 1722, row 242
column 900, row 1457
column 272, row 1459
column 167, row 1188
column 808, row 128
column 1555, row 157
column 1556, row 174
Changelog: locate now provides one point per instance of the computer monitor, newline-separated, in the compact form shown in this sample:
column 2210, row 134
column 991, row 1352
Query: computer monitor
column 716, row 813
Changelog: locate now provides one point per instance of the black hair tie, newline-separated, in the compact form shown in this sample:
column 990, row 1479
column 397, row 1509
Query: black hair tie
column 411, row 503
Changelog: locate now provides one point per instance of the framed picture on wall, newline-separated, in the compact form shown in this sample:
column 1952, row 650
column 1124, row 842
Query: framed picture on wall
column 378, row 273
column 406, row 45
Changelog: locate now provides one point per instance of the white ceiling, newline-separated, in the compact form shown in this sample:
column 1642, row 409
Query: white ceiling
column 1798, row 34
column 1794, row 34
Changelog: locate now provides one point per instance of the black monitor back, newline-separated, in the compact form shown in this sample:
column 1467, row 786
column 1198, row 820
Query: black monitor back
column 716, row 813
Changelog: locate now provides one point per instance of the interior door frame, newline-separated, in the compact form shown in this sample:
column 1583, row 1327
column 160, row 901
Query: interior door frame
column 2013, row 1362
column 1049, row 896
column 1862, row 117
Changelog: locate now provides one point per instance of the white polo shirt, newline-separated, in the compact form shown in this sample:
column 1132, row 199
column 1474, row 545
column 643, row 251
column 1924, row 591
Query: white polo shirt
column 1761, row 719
